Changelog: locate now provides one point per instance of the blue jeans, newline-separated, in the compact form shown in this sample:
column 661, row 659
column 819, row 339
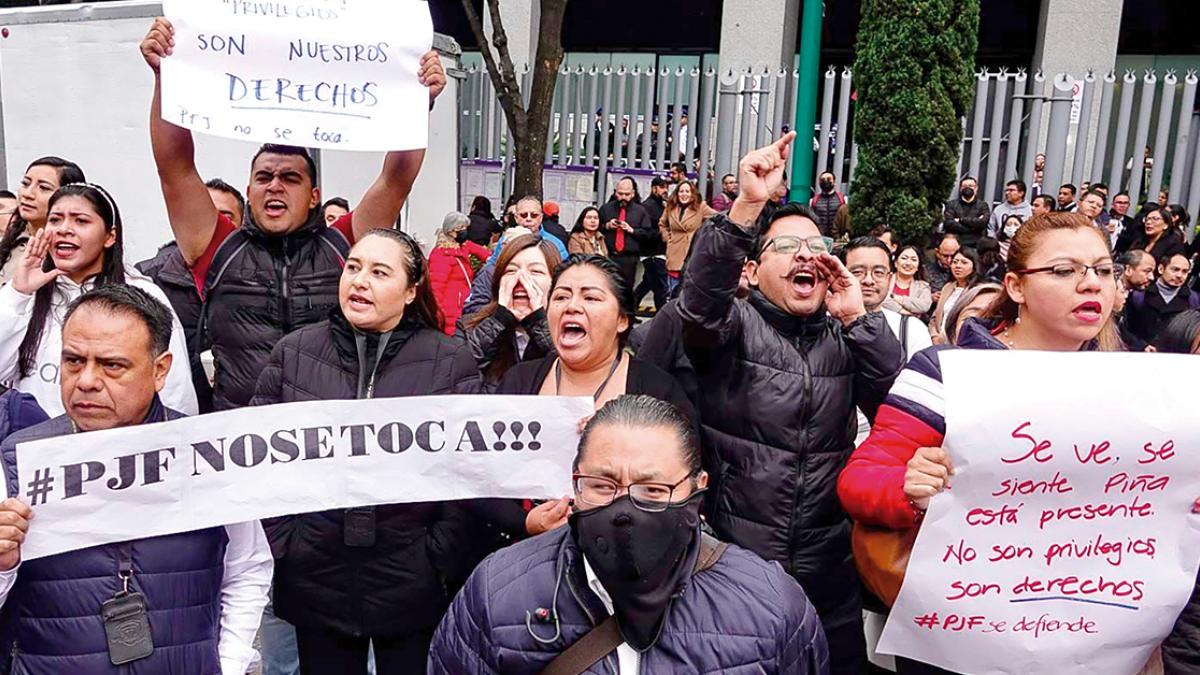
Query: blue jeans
column 279, row 653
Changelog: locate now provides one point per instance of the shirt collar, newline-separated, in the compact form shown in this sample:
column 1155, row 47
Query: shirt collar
column 593, row 582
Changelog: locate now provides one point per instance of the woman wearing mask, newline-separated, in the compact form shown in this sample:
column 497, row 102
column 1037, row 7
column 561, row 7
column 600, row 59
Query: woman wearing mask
column 39, row 183
column 79, row 248
column 964, row 270
column 1058, row 296
column 512, row 327
column 1159, row 237
column 590, row 314
column 910, row 292
column 451, row 269
column 1012, row 223
column 685, row 212
column 352, row 578
column 586, row 236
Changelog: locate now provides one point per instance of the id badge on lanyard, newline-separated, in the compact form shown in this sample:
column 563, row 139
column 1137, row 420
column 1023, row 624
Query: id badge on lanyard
column 126, row 617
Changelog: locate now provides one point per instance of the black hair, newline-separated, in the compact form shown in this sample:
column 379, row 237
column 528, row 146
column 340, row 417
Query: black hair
column 7, row 194
column 801, row 209
column 988, row 250
column 1100, row 186
column 1050, row 202
column 659, row 181
column 920, row 275
column 976, row 266
column 679, row 166
column 1001, row 235
column 68, row 172
column 335, row 201
column 424, row 307
column 867, row 242
column 1070, row 187
column 879, row 230
column 289, row 151
column 481, row 204
column 221, row 186
column 1180, row 334
column 617, row 285
column 1094, row 191
column 1017, row 183
column 133, row 301
column 645, row 412
column 1133, row 258
column 579, row 221
column 968, row 177
column 112, row 269
column 1177, row 210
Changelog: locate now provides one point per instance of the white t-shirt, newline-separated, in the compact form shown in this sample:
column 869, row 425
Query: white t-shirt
column 915, row 339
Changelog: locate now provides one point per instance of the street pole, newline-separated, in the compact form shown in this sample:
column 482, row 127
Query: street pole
column 806, row 101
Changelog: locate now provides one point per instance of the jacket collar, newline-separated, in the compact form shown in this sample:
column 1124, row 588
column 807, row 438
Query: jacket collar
column 311, row 228
column 981, row 334
column 789, row 325
column 347, row 338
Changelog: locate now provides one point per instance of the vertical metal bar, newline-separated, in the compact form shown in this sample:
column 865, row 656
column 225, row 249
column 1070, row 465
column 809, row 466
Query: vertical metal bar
column 1193, row 201
column 726, row 110
column 790, row 113
column 981, row 90
column 647, row 115
column 485, row 115
column 602, row 173
column 1166, row 110
column 753, row 109
column 660, row 150
column 1179, row 182
column 994, row 133
column 1140, row 136
column 619, row 116
column 1056, row 134
column 582, row 117
column 705, row 127
column 548, row 158
column 1101, row 150
column 564, row 114
column 826, row 122
column 1117, row 168
column 499, row 126
column 1078, row 170
column 843, row 129
column 631, row 134
column 692, row 139
column 472, row 87
column 780, row 117
column 676, row 113
column 1020, row 81
column 1033, row 140
column 766, row 116
column 743, row 140
column 962, row 150
column 588, row 122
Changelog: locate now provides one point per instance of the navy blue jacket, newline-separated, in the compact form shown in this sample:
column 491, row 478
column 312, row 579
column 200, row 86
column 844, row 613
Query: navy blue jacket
column 51, row 625
column 742, row 615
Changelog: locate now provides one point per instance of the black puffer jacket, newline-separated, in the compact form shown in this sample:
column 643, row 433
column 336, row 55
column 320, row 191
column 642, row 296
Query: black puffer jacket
column 777, row 396
column 968, row 220
column 1181, row 649
column 489, row 337
column 170, row 273
column 405, row 581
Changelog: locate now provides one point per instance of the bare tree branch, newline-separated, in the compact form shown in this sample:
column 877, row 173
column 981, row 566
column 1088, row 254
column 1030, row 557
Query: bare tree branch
column 503, row 74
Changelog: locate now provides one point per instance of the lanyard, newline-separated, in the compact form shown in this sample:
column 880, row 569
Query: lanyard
column 595, row 396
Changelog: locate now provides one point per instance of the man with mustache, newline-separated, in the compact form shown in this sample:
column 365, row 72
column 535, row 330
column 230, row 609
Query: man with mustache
column 780, row 375
column 633, row 550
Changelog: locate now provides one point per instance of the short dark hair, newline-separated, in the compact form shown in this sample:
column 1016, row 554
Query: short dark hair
column 1097, row 193
column 679, row 166
column 801, row 209
column 659, row 181
column 1017, row 183
column 1179, row 336
column 289, row 151
column 1069, row 187
column 221, row 186
column 7, row 194
column 644, row 412
column 1049, row 201
column 1133, row 257
column 968, row 178
column 335, row 201
column 728, row 175
column 1103, row 187
column 131, row 301
column 867, row 242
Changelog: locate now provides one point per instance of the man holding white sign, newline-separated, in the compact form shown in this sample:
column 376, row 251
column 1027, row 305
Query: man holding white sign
column 279, row 270
column 87, row 612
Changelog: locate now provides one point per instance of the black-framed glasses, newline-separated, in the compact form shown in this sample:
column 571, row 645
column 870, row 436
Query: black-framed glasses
column 649, row 496
column 1064, row 271
column 788, row 244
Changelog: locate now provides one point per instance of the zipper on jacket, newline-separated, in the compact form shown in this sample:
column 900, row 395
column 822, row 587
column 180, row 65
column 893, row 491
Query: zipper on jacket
column 805, row 411
column 15, row 653
column 285, row 310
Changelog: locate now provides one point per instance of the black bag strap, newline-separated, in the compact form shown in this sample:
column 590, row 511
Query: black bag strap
column 601, row 640
column 904, row 335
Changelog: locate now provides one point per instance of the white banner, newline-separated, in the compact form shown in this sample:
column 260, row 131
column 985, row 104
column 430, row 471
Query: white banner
column 338, row 74
column 231, row 467
column 1066, row 542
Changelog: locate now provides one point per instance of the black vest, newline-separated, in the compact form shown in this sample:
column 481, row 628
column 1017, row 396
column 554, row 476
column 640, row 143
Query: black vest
column 260, row 288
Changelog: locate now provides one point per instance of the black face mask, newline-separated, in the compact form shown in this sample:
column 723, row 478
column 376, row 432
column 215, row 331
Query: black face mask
column 642, row 559
column 461, row 237
column 967, row 194
column 827, row 186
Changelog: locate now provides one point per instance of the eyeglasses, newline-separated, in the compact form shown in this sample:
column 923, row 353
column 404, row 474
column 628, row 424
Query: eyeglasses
column 1065, row 271
column 529, row 214
column 650, row 497
column 877, row 273
column 788, row 244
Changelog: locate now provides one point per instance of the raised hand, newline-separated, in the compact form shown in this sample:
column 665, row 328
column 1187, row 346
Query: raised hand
column 507, row 283
column 537, row 297
column 760, row 173
column 843, row 300
column 29, row 277
column 432, row 74
column 160, row 42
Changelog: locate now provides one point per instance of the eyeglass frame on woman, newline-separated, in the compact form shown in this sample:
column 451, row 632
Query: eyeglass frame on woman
column 807, row 241
column 1078, row 270
column 575, row 478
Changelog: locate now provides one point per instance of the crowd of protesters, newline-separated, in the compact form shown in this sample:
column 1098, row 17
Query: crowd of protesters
column 778, row 394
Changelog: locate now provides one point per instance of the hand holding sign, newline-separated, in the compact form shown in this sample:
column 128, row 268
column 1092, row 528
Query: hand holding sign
column 14, row 523
column 928, row 473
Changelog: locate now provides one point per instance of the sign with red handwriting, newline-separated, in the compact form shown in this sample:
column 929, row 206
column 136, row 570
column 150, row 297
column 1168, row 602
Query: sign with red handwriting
column 338, row 74
column 1066, row 542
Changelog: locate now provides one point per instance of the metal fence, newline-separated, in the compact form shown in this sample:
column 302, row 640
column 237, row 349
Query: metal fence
column 616, row 122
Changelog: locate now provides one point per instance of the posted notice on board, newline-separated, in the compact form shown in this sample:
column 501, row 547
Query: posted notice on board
column 335, row 74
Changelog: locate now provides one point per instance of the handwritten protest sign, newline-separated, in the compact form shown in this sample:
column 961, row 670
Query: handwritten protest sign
column 254, row 463
column 1066, row 543
column 338, row 74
